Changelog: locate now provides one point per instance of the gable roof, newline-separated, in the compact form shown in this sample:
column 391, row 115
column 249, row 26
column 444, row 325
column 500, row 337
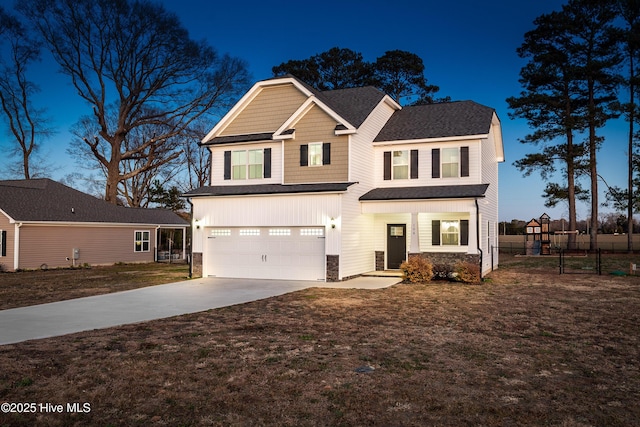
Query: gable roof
column 426, row 192
column 45, row 200
column 350, row 107
column 448, row 119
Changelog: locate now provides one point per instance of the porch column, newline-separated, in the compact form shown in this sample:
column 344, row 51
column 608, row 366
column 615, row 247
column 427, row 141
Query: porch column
column 415, row 235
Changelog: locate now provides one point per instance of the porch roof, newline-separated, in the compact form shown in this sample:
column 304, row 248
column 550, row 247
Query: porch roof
column 426, row 192
column 264, row 189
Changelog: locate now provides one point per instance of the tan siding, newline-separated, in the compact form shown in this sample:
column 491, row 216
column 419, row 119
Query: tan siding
column 316, row 126
column 51, row 245
column 6, row 262
column 267, row 111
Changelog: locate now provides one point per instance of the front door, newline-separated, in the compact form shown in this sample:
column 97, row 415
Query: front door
column 396, row 245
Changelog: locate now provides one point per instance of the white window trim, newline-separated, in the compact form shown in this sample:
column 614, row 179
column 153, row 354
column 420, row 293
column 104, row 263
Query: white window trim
column 407, row 155
column 247, row 163
column 443, row 232
column 442, row 162
column 142, row 241
column 318, row 156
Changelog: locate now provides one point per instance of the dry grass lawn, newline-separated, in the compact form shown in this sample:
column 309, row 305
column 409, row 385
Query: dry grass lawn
column 527, row 347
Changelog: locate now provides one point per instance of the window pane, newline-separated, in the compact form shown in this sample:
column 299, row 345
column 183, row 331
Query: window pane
column 450, row 232
column 239, row 165
column 255, row 164
column 450, row 162
column 315, row 154
column 401, row 164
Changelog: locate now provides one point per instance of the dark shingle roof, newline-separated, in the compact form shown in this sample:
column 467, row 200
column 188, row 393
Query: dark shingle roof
column 447, row 119
column 426, row 192
column 49, row 201
column 246, row 190
column 354, row 104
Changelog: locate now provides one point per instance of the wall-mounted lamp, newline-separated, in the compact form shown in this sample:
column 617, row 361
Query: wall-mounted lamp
column 333, row 222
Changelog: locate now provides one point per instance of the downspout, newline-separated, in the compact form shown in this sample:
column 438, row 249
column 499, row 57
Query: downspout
column 190, row 240
column 16, row 248
column 478, row 234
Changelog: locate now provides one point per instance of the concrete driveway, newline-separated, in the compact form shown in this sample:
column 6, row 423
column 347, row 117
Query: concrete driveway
column 154, row 302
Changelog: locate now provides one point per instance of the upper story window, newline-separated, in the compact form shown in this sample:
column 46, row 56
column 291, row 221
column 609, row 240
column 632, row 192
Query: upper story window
column 450, row 162
column 247, row 164
column 401, row 164
column 315, row 154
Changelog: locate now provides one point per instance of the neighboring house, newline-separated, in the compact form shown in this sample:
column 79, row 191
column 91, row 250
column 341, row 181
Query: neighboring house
column 45, row 224
column 330, row 185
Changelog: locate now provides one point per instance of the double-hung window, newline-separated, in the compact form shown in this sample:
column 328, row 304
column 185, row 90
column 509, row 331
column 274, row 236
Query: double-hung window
column 142, row 241
column 450, row 232
column 450, row 162
column 401, row 164
column 315, row 154
column 246, row 164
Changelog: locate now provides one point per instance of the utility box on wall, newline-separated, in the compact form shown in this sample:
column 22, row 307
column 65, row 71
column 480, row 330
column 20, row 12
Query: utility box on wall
column 76, row 253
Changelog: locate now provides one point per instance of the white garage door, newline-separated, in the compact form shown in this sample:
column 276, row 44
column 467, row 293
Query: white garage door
column 291, row 253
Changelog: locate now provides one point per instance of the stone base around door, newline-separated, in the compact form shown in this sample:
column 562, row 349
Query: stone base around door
column 448, row 258
column 379, row 260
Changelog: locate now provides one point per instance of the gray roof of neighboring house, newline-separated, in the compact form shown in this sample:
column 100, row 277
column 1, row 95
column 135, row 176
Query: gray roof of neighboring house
column 45, row 200
column 460, row 118
column 426, row 192
column 247, row 190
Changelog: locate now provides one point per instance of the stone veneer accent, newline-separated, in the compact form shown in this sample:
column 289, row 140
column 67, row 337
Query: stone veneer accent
column 333, row 268
column 379, row 260
column 448, row 257
column 196, row 265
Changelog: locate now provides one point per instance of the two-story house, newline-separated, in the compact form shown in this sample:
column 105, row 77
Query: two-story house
column 311, row 185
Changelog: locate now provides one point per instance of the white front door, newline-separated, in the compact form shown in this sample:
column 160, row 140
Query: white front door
column 290, row 253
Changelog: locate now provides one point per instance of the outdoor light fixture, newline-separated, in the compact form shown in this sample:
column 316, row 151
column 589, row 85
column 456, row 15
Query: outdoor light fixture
column 333, row 222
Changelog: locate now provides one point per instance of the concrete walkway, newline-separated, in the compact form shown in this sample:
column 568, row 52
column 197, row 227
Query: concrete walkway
column 154, row 302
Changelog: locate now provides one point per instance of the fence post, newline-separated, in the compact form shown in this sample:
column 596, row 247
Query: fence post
column 560, row 261
column 600, row 262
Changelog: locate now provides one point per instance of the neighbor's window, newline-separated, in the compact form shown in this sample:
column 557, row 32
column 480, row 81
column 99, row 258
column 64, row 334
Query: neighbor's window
column 450, row 231
column 315, row 154
column 450, row 162
column 142, row 241
column 401, row 164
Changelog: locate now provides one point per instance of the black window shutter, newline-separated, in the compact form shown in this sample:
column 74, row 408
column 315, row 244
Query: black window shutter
column 266, row 172
column 414, row 164
column 227, row 165
column 326, row 153
column 464, row 161
column 435, row 232
column 304, row 155
column 435, row 163
column 387, row 165
column 4, row 243
column 464, row 232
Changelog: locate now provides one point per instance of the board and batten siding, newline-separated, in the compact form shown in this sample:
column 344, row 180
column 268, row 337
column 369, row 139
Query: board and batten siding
column 51, row 245
column 217, row 164
column 358, row 231
column 7, row 261
column 316, row 126
column 296, row 210
column 266, row 111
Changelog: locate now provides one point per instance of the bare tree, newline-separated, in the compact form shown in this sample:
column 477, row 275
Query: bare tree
column 197, row 158
column 134, row 58
column 26, row 124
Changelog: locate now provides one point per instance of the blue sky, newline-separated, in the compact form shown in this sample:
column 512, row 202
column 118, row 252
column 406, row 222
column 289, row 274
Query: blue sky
column 468, row 48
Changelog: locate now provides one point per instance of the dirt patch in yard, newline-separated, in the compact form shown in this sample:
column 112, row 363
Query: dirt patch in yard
column 42, row 286
column 526, row 347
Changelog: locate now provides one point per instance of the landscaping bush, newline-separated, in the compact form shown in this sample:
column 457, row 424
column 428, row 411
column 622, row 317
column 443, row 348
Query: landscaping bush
column 417, row 269
column 467, row 272
column 442, row 271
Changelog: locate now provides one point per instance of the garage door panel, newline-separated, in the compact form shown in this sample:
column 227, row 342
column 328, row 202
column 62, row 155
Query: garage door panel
column 292, row 253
